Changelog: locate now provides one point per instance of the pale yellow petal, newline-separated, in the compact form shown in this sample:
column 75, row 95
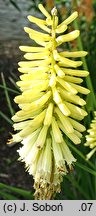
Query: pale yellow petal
column 45, row 28
column 89, row 155
column 56, row 131
column 36, row 20
column 66, row 61
column 69, row 19
column 40, row 102
column 32, row 56
column 73, row 54
column 44, row 11
column 57, row 154
column 80, row 89
column 67, row 86
column 34, row 63
column 64, row 120
column 72, row 136
column 67, row 37
column 58, row 70
column 32, row 76
column 61, row 29
column 77, row 125
column 48, row 116
column 73, row 72
column 34, row 70
column 73, row 79
column 36, row 33
column 71, row 97
column 56, row 96
column 67, row 154
column 64, row 109
column 76, row 110
column 42, row 137
column 32, row 49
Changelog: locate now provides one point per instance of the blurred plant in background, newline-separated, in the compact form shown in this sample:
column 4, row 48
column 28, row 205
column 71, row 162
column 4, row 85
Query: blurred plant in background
column 81, row 183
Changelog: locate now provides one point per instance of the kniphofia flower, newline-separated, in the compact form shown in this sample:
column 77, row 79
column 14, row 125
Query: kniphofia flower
column 50, row 103
column 91, row 138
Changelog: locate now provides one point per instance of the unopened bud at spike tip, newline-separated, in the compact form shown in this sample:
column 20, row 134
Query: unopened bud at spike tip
column 54, row 11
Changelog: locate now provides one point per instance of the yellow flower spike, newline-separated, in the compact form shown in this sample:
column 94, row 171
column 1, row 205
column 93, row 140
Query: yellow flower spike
column 49, row 103
column 91, row 138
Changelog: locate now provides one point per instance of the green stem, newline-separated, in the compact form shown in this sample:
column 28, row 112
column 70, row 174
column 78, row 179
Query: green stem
column 9, row 89
column 76, row 185
column 6, row 118
column 7, row 95
column 87, row 169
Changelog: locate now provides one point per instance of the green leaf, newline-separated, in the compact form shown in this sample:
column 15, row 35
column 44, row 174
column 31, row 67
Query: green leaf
column 9, row 89
column 7, row 95
column 7, row 196
column 87, row 169
column 77, row 186
column 15, row 5
column 6, row 118
column 25, row 194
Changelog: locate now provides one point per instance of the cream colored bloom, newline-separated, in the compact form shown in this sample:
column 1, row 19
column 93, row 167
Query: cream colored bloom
column 91, row 138
column 50, row 103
